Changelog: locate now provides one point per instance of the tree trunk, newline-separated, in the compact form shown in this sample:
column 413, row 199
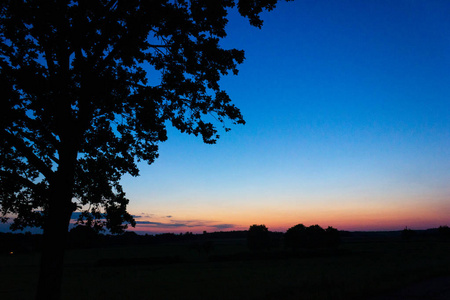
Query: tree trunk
column 56, row 224
column 53, row 247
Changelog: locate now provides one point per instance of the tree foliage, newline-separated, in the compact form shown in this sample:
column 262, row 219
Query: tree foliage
column 444, row 231
column 89, row 88
column 312, row 237
column 258, row 237
column 295, row 236
column 408, row 233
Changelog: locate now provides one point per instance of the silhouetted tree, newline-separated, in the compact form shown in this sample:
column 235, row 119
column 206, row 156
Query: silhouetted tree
column 444, row 231
column 88, row 88
column 82, row 236
column 407, row 233
column 312, row 237
column 315, row 237
column 258, row 237
column 295, row 237
column 333, row 237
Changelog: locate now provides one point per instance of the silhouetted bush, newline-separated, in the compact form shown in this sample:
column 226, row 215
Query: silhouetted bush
column 312, row 237
column 333, row 237
column 258, row 237
column 408, row 233
column 295, row 237
column 315, row 237
column 444, row 231
column 82, row 236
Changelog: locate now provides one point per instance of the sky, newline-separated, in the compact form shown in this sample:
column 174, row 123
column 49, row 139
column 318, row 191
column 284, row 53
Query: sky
column 347, row 105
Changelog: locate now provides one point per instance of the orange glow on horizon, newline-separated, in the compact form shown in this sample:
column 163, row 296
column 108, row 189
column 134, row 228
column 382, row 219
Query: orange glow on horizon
column 351, row 218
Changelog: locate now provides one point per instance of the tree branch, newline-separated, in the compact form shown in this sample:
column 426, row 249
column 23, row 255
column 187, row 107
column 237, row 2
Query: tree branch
column 33, row 122
column 29, row 155
column 111, row 4
column 24, row 181
column 159, row 46
column 32, row 138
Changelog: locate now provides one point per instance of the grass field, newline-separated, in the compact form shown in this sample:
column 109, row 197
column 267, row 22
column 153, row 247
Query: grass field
column 360, row 269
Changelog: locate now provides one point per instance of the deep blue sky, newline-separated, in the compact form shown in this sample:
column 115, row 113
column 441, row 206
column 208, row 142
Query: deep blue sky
column 347, row 106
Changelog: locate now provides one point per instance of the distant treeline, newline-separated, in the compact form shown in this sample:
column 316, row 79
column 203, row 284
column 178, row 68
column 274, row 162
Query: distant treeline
column 258, row 238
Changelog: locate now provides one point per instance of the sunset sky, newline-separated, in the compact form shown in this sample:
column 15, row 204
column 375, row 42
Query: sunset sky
column 347, row 106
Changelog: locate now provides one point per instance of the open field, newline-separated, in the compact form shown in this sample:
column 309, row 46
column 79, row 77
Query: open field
column 362, row 267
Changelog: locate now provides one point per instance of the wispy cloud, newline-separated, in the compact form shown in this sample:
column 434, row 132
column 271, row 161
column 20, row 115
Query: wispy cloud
column 146, row 215
column 167, row 222
column 161, row 225
column 223, row 226
column 77, row 214
column 192, row 224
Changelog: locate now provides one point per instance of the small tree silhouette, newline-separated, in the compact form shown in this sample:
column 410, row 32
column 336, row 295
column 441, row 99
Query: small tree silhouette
column 333, row 238
column 407, row 233
column 295, row 237
column 444, row 231
column 258, row 237
column 82, row 236
column 312, row 237
column 315, row 237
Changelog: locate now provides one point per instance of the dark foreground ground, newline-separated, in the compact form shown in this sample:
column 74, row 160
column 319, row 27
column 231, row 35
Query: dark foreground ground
column 365, row 266
column 430, row 289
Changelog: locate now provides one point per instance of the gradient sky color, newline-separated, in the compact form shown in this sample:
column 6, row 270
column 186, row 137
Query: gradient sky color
column 347, row 106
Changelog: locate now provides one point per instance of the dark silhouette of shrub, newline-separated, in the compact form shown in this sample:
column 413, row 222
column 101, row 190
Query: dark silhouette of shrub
column 82, row 237
column 258, row 237
column 295, row 237
column 444, row 231
column 315, row 237
column 312, row 237
column 333, row 237
column 408, row 233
